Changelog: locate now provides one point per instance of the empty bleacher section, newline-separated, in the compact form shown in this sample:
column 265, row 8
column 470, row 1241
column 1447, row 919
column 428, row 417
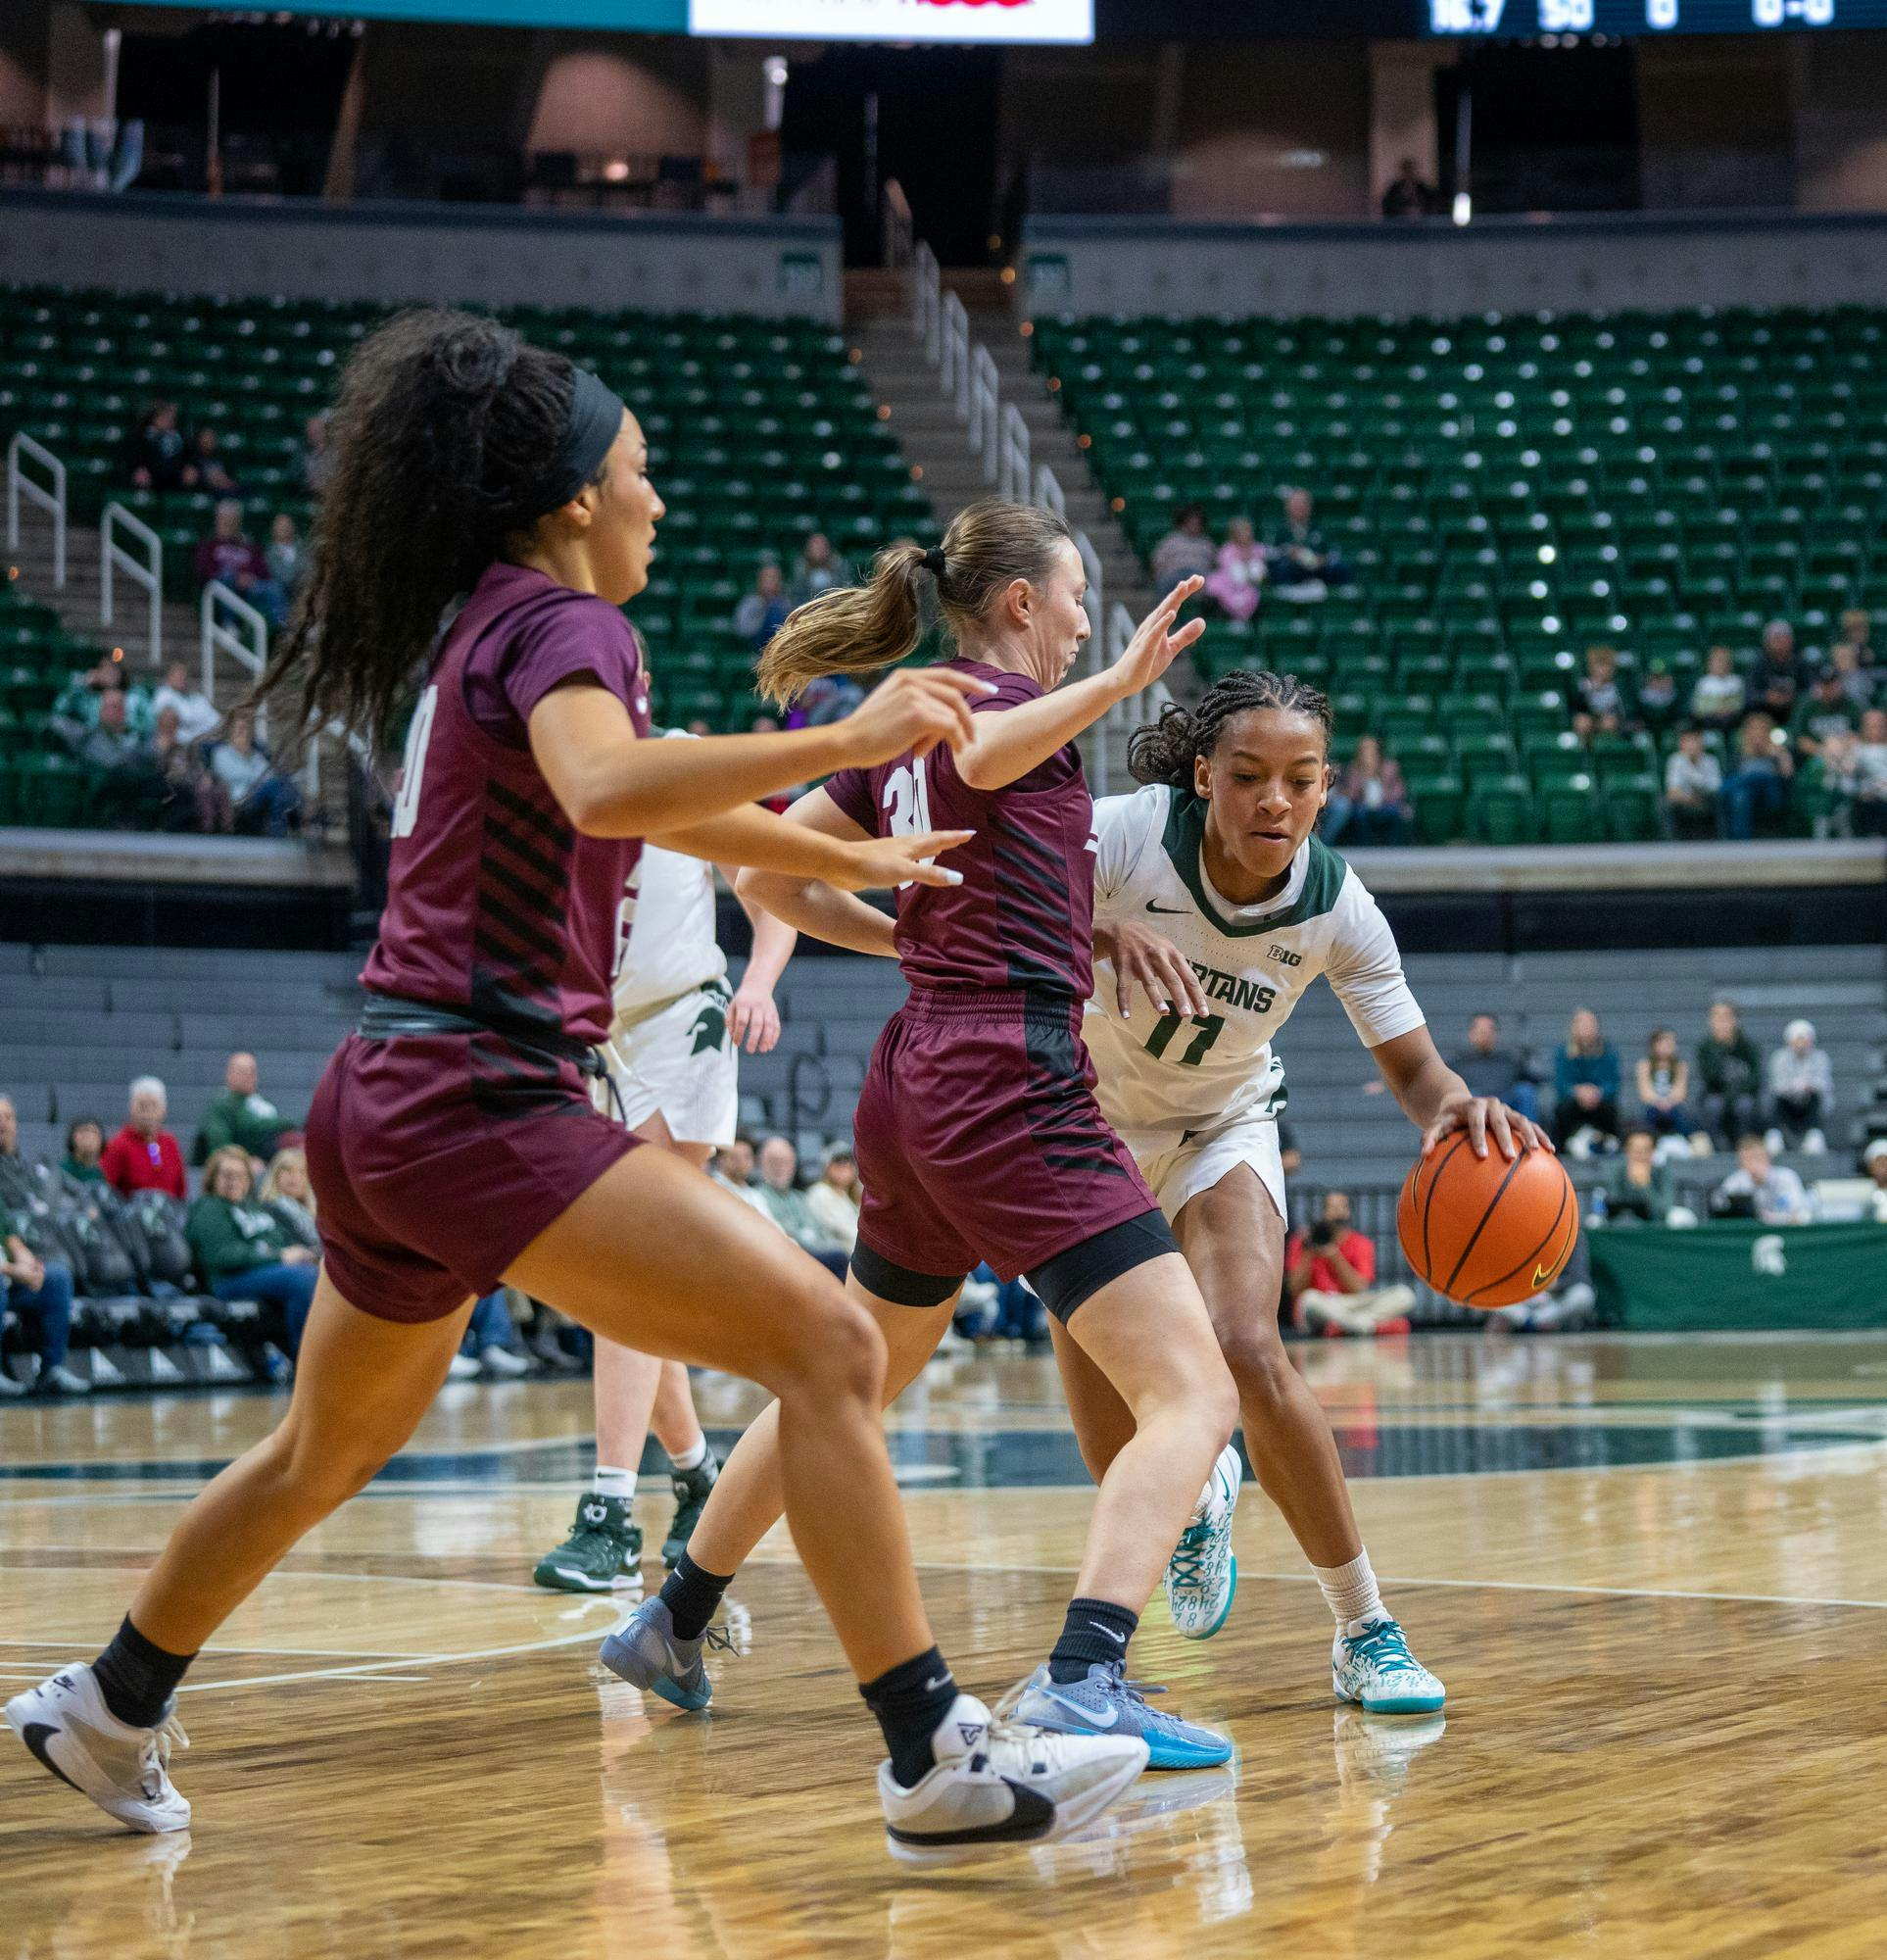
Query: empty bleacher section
column 1508, row 490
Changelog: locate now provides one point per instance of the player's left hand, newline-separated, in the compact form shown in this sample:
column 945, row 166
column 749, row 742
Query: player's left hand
column 752, row 1019
column 1157, row 966
column 1484, row 1116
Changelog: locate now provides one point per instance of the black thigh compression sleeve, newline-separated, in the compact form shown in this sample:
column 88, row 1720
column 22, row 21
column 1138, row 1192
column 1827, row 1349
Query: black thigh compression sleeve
column 899, row 1284
column 1079, row 1273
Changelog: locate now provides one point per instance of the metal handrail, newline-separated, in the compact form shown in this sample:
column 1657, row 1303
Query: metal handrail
column 894, row 226
column 52, row 502
column 985, row 411
column 247, row 644
column 1015, row 471
column 1048, row 492
column 927, row 302
column 113, row 556
column 953, row 370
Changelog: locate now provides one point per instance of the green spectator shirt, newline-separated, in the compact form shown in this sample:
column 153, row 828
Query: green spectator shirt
column 792, row 1213
column 1730, row 1070
column 251, row 1122
column 228, row 1239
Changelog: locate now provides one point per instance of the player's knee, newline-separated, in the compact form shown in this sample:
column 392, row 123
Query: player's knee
column 844, row 1353
column 1216, row 1403
column 1260, row 1368
column 322, row 1471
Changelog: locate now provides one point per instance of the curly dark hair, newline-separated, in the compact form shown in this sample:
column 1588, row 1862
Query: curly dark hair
column 1165, row 751
column 445, row 436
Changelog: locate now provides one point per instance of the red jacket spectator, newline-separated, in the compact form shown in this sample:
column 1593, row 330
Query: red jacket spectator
column 141, row 1160
column 1355, row 1248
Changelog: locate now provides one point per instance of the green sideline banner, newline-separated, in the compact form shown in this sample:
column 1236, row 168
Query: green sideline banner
column 1741, row 1275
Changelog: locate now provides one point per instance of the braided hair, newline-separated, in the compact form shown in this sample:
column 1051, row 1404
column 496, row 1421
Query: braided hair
column 1166, row 751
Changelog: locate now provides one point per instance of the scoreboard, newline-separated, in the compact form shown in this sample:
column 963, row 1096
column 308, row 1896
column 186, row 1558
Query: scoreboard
column 1524, row 19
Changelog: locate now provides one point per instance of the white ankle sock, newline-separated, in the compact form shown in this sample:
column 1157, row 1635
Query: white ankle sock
column 1350, row 1592
column 691, row 1459
column 613, row 1483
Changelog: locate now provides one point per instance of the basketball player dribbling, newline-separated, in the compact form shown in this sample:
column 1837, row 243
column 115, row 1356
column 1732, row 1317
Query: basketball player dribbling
column 452, row 1143
column 977, row 1134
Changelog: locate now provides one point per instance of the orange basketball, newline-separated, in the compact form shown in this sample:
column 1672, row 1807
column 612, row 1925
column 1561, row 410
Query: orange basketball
column 1487, row 1231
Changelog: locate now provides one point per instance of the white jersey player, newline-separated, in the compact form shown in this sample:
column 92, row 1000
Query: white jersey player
column 1215, row 901
column 673, row 1056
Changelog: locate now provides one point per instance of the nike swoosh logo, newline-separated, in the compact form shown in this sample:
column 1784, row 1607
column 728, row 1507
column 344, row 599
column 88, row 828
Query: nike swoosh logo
column 941, row 1680
column 1540, row 1275
column 1171, row 911
column 1087, row 1715
column 34, row 1734
column 1119, row 1639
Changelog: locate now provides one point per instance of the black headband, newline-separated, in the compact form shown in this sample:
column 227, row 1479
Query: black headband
column 596, row 420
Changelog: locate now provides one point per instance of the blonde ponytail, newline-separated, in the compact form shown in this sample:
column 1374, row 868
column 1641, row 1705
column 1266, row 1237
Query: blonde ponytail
column 862, row 628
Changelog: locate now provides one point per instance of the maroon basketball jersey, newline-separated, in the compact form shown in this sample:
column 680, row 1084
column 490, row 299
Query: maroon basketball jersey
column 1023, row 918
column 496, row 904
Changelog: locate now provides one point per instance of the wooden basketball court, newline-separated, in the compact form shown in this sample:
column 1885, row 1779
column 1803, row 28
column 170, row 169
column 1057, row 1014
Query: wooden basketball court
column 1652, row 1574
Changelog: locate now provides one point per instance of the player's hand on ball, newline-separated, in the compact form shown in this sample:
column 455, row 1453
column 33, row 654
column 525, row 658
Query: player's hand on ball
column 1157, row 643
column 754, row 1019
column 881, row 862
column 916, row 708
column 1482, row 1117
column 1148, row 962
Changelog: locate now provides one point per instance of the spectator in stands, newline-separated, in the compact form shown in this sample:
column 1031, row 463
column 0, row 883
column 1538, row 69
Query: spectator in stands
column 1719, row 696
column 288, row 1194
column 158, row 456
column 1781, row 674
column 286, row 555
column 1605, row 706
column 1658, row 697
column 1801, row 1092
column 1664, row 1087
column 491, row 1345
column 763, row 612
column 244, row 1252
column 1761, row 1189
column 1824, row 708
column 1758, row 786
column 835, row 1197
column 1329, row 1278
column 242, row 1116
column 25, row 1190
column 1857, row 631
column 1867, row 810
column 1408, row 196
column 1693, row 787
column 1304, row 565
column 1585, row 1087
column 1185, row 551
column 1288, row 1155
column 40, row 1292
column 144, row 1154
column 1637, row 1187
column 786, row 1205
column 1239, row 572
column 212, row 472
column 196, row 716
column 825, row 698
column 76, row 710
column 1732, row 1072
column 261, row 797
column 85, row 1147
column 1488, row 1069
column 1369, row 804
column 230, row 556
column 123, row 767
column 733, row 1169
column 187, row 797
column 1858, row 682
column 818, row 571
column 318, row 460
column 1873, row 1168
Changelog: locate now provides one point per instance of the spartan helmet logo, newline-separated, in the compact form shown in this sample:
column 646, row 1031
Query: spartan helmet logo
column 1768, row 1258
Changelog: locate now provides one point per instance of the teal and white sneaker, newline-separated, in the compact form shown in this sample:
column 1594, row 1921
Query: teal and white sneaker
column 645, row 1652
column 1202, row 1575
column 602, row 1555
column 1107, row 1703
column 1377, row 1671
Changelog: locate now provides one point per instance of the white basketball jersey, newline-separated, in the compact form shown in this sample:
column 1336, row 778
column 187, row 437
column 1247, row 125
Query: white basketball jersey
column 672, row 947
column 1163, row 1075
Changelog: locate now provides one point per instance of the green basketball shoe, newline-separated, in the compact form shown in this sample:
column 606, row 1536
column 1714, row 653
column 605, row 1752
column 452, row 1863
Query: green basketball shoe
column 602, row 1555
column 691, row 1494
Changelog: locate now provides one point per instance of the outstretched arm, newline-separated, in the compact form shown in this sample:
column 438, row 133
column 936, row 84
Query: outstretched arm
column 756, row 837
column 814, row 906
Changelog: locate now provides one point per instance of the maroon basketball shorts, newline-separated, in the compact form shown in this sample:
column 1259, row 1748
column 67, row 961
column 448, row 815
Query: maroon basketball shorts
column 437, row 1158
column 977, row 1138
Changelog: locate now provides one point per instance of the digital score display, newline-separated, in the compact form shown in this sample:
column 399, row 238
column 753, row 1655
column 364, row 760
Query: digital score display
column 1524, row 19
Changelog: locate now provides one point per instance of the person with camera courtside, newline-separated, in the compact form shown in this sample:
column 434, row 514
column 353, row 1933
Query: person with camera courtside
column 1330, row 1276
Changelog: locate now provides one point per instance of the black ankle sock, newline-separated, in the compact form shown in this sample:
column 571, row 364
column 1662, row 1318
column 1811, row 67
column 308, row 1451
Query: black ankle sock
column 137, row 1678
column 1095, row 1630
column 691, row 1597
column 910, row 1701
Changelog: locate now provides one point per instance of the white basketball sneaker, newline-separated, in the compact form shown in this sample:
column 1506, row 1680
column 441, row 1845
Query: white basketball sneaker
column 998, row 1784
column 125, row 1771
column 1202, row 1575
column 1377, row 1671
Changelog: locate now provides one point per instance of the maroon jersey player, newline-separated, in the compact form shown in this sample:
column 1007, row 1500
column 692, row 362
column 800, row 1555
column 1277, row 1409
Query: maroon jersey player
column 452, row 1141
column 977, row 1134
